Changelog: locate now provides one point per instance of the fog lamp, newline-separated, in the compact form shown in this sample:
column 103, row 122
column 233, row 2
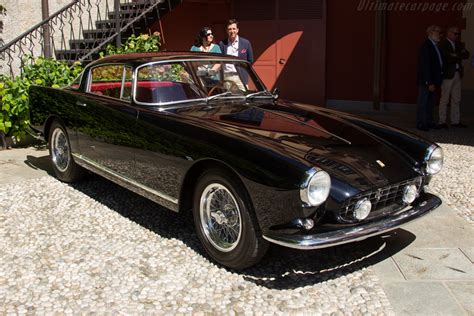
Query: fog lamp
column 308, row 223
column 362, row 209
column 410, row 193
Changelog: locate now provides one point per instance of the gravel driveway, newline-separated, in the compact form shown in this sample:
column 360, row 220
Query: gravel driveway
column 95, row 247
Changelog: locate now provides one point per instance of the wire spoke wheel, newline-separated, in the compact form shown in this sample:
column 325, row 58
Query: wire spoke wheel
column 60, row 151
column 224, row 220
column 221, row 219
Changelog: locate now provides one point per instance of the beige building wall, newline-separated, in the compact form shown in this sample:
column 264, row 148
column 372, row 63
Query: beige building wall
column 468, row 38
column 22, row 15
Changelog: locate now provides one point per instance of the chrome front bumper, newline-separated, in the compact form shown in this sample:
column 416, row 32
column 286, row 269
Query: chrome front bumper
column 423, row 205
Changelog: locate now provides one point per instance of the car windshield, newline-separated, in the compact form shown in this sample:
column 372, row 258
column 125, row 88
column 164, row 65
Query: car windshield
column 165, row 83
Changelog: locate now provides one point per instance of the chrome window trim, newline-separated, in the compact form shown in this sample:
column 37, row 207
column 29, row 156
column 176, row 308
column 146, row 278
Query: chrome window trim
column 161, row 104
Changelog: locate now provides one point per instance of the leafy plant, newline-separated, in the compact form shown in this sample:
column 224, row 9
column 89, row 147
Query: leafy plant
column 143, row 43
column 14, row 102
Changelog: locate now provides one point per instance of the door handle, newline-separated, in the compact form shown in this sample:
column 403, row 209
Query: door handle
column 282, row 61
column 81, row 103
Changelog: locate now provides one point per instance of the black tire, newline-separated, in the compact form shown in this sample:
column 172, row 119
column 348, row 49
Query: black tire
column 230, row 233
column 60, row 154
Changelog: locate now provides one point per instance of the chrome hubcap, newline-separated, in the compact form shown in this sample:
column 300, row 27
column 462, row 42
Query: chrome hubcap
column 60, row 150
column 220, row 217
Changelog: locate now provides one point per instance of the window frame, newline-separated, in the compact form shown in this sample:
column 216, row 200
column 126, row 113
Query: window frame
column 122, row 81
column 170, row 61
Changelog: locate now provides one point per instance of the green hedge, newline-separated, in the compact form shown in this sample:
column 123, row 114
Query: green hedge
column 14, row 103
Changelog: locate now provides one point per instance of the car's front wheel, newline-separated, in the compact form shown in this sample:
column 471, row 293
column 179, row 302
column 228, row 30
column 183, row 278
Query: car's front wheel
column 225, row 222
column 60, row 154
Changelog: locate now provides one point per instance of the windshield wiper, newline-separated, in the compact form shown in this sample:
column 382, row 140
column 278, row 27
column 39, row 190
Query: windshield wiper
column 259, row 93
column 220, row 95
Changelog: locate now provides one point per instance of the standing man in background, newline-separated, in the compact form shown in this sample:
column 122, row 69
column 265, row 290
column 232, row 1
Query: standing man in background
column 429, row 77
column 236, row 45
column 454, row 52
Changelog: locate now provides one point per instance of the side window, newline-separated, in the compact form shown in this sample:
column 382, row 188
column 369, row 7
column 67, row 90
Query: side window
column 162, row 83
column 107, row 80
column 127, row 84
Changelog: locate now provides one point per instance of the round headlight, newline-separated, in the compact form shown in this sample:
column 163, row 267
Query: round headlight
column 410, row 192
column 362, row 209
column 316, row 188
column 435, row 161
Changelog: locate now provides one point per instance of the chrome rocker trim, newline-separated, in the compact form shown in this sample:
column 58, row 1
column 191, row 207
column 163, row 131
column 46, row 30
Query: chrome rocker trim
column 424, row 205
column 149, row 193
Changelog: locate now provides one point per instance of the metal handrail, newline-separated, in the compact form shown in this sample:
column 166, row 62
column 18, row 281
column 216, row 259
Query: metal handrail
column 37, row 26
column 107, row 40
column 78, row 31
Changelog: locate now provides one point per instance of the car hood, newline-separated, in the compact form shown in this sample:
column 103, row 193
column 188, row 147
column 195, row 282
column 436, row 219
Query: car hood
column 317, row 136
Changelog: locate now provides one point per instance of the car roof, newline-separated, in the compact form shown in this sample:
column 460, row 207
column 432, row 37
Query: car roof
column 143, row 58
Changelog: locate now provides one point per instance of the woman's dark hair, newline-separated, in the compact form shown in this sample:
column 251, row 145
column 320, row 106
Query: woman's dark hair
column 202, row 34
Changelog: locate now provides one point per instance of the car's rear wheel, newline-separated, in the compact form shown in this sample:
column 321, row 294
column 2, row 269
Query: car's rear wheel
column 225, row 222
column 60, row 154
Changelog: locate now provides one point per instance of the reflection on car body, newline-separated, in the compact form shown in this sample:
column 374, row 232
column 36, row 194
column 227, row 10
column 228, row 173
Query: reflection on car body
column 252, row 169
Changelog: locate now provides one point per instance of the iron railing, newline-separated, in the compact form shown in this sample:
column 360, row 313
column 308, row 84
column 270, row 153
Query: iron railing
column 80, row 30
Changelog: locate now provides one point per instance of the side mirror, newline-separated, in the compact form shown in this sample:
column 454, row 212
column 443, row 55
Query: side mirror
column 276, row 93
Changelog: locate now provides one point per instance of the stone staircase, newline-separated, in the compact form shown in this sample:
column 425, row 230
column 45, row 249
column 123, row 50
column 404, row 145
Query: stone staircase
column 129, row 13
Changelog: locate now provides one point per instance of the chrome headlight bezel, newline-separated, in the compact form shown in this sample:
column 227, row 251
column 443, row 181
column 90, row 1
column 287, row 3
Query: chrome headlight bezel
column 434, row 160
column 362, row 209
column 410, row 193
column 315, row 178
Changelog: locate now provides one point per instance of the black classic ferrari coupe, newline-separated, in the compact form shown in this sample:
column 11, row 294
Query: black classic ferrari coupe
column 200, row 133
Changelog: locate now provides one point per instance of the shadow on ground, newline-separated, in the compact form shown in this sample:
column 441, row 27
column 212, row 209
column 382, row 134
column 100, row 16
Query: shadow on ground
column 281, row 268
column 40, row 163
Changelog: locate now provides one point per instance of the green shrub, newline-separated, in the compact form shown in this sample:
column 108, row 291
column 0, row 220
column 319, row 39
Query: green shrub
column 143, row 43
column 14, row 102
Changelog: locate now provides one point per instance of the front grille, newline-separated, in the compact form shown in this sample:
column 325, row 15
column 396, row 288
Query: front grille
column 384, row 200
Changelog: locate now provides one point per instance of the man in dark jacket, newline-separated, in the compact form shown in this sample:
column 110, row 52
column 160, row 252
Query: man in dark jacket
column 429, row 77
column 454, row 52
column 237, row 46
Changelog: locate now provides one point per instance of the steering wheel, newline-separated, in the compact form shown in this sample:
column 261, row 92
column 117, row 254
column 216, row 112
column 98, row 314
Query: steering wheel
column 232, row 86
